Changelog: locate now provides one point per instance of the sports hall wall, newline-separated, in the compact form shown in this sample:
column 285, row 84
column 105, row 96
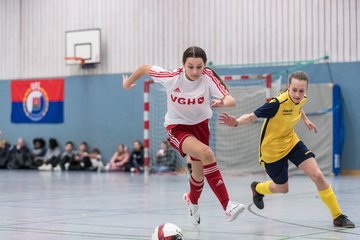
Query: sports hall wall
column 157, row 31
column 32, row 45
column 98, row 110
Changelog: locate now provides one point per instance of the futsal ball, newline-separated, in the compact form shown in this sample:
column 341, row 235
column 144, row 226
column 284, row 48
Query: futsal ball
column 167, row 231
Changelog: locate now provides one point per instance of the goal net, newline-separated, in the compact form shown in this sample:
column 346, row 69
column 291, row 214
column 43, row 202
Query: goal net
column 237, row 149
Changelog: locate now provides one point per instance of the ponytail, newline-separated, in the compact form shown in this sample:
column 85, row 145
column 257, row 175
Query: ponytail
column 218, row 77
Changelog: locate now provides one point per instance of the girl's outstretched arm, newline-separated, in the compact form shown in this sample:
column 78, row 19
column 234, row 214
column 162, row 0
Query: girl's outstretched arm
column 227, row 101
column 231, row 121
column 129, row 82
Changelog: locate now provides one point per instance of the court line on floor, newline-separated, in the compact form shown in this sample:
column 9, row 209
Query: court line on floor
column 73, row 233
column 340, row 230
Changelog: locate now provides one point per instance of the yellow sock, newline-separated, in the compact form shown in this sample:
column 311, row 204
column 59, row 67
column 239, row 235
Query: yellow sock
column 263, row 187
column 329, row 198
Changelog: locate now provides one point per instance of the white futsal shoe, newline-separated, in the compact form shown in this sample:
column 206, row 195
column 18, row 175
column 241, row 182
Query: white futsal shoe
column 193, row 209
column 45, row 167
column 233, row 209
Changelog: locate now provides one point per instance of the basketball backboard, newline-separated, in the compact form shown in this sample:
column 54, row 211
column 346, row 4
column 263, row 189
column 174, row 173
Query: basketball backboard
column 82, row 44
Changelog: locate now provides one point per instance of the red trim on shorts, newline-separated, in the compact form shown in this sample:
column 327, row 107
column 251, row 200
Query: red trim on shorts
column 194, row 159
column 168, row 127
column 171, row 126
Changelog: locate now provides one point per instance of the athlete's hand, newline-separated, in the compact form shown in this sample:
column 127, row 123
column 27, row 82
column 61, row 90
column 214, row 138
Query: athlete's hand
column 310, row 125
column 226, row 119
column 126, row 84
column 217, row 103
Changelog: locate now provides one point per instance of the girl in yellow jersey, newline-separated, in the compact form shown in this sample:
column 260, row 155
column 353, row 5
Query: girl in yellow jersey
column 279, row 143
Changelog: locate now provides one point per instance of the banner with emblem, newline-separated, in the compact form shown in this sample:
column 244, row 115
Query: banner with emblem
column 37, row 101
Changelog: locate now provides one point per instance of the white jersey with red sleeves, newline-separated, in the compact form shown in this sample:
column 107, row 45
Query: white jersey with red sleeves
column 188, row 102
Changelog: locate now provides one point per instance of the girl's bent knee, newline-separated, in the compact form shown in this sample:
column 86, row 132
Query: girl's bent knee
column 318, row 177
column 207, row 156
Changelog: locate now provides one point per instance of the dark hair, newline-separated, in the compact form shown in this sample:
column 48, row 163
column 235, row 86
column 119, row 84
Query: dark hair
column 41, row 141
column 53, row 143
column 300, row 75
column 140, row 143
column 198, row 52
column 96, row 150
column 70, row 142
column 194, row 52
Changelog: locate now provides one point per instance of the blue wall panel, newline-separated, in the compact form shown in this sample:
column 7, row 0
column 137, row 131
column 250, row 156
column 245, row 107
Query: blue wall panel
column 96, row 109
column 99, row 111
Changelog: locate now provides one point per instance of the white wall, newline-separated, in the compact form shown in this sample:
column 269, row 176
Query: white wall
column 9, row 38
column 32, row 32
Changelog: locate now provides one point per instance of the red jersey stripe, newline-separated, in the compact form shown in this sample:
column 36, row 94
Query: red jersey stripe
column 153, row 73
column 217, row 82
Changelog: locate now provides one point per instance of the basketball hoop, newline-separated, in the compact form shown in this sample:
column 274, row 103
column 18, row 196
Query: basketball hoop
column 82, row 47
column 82, row 62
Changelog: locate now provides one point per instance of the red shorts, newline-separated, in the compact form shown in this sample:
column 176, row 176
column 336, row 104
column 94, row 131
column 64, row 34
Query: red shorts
column 176, row 134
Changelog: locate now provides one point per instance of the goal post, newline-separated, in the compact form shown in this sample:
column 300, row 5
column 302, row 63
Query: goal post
column 267, row 77
column 147, row 84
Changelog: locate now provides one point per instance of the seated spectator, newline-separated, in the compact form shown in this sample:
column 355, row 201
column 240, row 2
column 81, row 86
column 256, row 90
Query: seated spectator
column 38, row 151
column 20, row 156
column 52, row 156
column 96, row 160
column 119, row 159
column 66, row 157
column 166, row 159
column 5, row 148
column 82, row 158
column 136, row 160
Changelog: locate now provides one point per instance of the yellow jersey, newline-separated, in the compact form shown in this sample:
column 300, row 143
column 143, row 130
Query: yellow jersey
column 277, row 133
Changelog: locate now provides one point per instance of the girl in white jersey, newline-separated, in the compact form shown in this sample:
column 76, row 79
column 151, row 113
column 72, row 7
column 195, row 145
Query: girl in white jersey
column 190, row 89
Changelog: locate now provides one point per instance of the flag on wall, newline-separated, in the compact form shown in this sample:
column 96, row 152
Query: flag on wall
column 37, row 101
